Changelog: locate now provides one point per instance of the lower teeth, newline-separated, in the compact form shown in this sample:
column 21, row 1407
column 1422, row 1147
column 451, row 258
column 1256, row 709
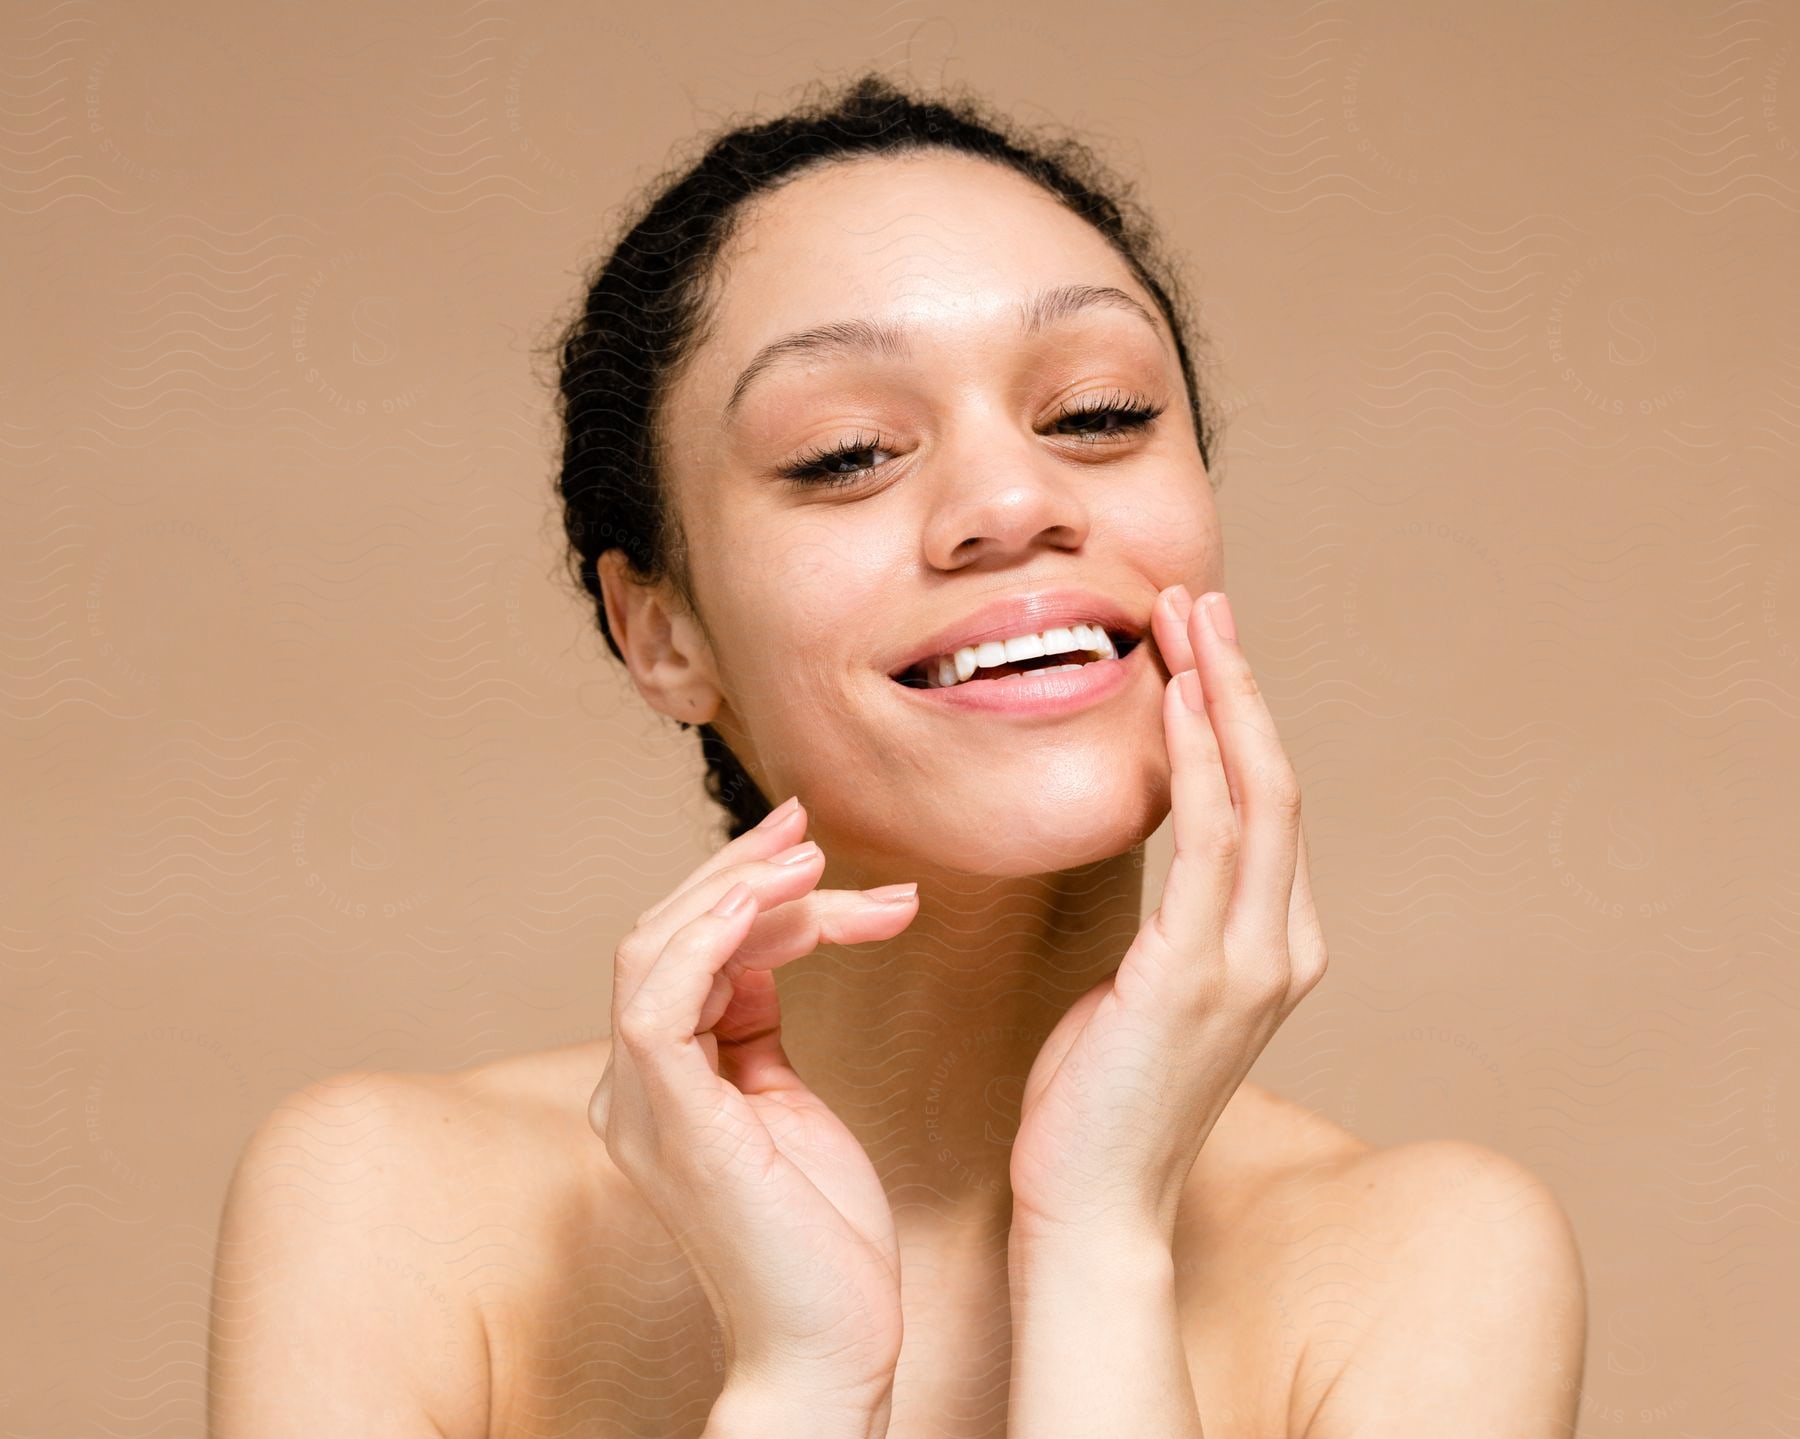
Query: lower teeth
column 1045, row 670
column 1021, row 674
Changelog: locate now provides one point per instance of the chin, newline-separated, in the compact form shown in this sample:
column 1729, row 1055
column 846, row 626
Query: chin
column 1010, row 844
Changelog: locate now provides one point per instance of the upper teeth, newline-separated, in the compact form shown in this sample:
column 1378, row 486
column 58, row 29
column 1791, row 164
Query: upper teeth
column 952, row 669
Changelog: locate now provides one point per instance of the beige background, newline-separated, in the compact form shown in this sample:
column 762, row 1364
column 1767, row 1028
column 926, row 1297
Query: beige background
column 314, row 762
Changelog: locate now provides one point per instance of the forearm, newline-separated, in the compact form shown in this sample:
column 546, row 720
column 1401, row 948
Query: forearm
column 1097, row 1348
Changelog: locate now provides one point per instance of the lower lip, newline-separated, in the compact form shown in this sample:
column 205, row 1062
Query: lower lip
column 1036, row 693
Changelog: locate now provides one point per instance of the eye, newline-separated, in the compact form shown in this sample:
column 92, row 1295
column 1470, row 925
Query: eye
column 818, row 470
column 1128, row 414
column 1132, row 413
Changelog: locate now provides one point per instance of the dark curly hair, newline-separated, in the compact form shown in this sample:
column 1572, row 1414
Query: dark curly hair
column 647, row 309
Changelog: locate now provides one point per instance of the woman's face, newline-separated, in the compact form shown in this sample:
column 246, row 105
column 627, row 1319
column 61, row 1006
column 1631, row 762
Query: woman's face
column 963, row 487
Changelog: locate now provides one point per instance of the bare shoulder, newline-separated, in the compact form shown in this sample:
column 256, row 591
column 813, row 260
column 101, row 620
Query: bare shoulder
column 394, row 1225
column 340, row 1240
column 512, row 1140
column 1277, row 1156
column 1359, row 1276
column 1442, row 1281
column 1267, row 1162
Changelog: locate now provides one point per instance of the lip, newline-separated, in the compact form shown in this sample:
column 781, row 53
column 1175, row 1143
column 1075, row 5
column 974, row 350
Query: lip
column 1037, row 693
column 1026, row 614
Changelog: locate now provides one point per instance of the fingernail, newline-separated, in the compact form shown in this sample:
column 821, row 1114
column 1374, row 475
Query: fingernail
column 1191, row 694
column 893, row 893
column 780, row 812
column 799, row 854
column 1218, row 610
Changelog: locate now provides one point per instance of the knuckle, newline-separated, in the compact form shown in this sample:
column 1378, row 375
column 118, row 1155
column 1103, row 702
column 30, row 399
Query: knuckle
column 1208, row 988
column 1282, row 787
column 1260, row 987
column 1309, row 972
column 626, row 1148
column 636, row 1030
column 1221, row 843
column 748, row 873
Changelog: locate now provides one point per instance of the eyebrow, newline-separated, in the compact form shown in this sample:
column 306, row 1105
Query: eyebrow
column 889, row 339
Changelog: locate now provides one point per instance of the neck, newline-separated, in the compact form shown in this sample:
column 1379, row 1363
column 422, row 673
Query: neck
column 921, row 1043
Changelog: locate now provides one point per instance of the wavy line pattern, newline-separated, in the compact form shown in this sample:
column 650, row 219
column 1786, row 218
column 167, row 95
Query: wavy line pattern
column 327, row 806
column 1728, row 132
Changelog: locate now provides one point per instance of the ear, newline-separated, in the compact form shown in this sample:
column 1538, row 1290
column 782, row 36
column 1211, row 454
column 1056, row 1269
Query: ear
column 665, row 652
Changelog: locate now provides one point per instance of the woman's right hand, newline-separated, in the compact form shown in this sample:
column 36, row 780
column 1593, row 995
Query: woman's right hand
column 770, row 1196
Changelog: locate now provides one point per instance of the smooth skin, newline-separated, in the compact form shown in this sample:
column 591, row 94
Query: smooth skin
column 775, row 1202
column 1131, row 1081
column 984, row 1161
column 784, row 1217
column 781, row 1211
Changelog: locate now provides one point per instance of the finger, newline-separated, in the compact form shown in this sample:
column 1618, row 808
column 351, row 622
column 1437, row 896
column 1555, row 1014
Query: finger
column 747, row 1037
column 1169, row 622
column 747, row 1030
column 780, row 881
column 1259, row 773
column 1168, row 625
column 825, row 916
column 783, row 826
column 693, row 987
column 658, row 1026
column 789, row 923
column 1191, row 915
column 777, row 877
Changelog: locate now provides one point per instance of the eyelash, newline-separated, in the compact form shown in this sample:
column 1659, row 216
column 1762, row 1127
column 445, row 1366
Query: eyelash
column 810, row 472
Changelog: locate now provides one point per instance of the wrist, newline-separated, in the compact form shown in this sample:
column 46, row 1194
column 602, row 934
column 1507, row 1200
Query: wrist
column 792, row 1406
column 1132, row 1220
column 1105, row 1257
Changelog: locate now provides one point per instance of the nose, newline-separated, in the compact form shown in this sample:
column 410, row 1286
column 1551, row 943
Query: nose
column 999, row 499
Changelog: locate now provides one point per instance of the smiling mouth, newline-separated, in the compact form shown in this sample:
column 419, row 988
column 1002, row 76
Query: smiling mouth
column 1122, row 642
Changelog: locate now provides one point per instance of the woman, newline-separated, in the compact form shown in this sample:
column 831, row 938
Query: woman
column 887, row 468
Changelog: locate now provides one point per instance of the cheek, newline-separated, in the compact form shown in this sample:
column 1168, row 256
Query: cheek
column 805, row 567
column 800, row 627
column 1170, row 529
column 841, row 582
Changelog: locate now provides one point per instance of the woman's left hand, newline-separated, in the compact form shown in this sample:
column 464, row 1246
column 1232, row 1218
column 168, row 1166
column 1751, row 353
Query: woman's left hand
column 1130, row 1082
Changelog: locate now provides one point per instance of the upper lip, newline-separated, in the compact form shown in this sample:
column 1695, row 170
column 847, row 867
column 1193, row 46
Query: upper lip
column 1023, row 615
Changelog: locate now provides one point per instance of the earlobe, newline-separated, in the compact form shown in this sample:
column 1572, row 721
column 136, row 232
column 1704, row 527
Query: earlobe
column 683, row 673
column 665, row 654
